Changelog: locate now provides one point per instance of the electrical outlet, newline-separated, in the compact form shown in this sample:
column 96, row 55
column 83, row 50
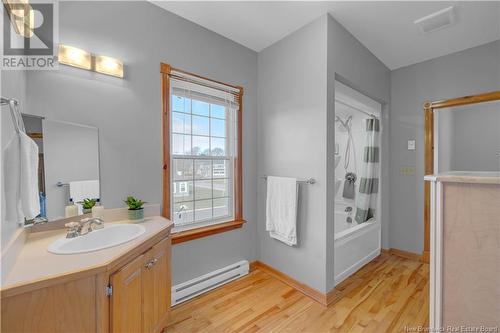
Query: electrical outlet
column 411, row 144
column 407, row 170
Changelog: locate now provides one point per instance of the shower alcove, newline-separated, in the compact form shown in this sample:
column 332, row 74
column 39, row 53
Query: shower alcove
column 356, row 204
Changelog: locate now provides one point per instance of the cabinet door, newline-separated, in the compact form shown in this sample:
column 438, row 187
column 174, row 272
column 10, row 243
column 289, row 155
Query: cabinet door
column 126, row 302
column 156, row 287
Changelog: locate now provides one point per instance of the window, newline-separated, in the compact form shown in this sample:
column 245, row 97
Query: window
column 202, row 151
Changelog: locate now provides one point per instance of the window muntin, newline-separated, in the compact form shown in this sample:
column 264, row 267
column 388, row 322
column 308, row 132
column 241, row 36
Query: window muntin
column 203, row 142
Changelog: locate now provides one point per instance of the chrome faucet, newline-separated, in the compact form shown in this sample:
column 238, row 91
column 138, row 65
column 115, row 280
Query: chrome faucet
column 91, row 223
column 85, row 226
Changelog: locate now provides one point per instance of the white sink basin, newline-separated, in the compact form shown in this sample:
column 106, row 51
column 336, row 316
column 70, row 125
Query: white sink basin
column 110, row 235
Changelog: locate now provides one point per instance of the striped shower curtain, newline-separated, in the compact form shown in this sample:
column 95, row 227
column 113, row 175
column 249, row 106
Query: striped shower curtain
column 366, row 202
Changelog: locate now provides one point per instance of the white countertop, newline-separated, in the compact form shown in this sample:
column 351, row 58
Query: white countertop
column 34, row 262
column 471, row 177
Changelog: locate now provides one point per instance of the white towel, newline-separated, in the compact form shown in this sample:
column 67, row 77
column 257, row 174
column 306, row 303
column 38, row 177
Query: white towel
column 85, row 189
column 281, row 209
column 30, row 193
column 21, row 179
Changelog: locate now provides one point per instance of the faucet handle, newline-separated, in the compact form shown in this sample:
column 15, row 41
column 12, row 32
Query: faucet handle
column 73, row 229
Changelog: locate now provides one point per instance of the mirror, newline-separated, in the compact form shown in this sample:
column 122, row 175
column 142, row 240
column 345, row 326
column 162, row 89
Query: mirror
column 68, row 168
column 467, row 138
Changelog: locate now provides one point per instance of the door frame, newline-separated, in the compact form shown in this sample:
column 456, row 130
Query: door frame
column 429, row 109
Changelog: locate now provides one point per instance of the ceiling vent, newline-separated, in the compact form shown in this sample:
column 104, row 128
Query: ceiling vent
column 436, row 21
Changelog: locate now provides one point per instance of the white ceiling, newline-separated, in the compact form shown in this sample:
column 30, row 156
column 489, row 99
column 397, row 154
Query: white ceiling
column 385, row 28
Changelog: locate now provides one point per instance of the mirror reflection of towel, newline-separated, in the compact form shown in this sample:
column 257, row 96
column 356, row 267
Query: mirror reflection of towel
column 85, row 189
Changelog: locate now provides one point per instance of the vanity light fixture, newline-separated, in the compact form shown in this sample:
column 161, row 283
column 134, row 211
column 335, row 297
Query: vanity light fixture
column 109, row 66
column 72, row 56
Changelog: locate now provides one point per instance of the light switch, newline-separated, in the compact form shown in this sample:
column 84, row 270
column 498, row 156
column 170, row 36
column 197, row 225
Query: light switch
column 411, row 144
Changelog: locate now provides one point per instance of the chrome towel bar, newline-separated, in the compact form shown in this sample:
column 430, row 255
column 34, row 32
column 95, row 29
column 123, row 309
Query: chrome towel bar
column 308, row 181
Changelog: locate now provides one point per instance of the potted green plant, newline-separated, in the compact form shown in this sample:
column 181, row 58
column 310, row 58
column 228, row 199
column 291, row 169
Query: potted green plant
column 87, row 205
column 135, row 209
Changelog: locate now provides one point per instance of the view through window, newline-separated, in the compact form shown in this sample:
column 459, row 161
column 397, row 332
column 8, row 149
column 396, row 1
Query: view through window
column 202, row 155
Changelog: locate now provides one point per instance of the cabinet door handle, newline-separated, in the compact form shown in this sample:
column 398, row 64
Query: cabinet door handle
column 151, row 263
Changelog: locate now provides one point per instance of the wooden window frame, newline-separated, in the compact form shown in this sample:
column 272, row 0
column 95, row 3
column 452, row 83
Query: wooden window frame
column 202, row 231
column 429, row 109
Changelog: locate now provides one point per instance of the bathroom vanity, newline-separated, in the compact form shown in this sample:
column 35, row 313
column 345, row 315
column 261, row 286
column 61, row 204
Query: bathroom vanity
column 124, row 288
column 465, row 250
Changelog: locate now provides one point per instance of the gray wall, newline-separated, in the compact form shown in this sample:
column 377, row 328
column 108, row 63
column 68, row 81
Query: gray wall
column 354, row 65
column 472, row 71
column 128, row 111
column 297, row 134
column 13, row 85
column 291, row 143
column 476, row 137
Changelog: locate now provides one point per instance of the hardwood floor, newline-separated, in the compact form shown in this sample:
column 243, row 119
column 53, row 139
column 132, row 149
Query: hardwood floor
column 395, row 295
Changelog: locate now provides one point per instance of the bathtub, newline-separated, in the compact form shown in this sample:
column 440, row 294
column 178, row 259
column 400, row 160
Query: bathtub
column 355, row 244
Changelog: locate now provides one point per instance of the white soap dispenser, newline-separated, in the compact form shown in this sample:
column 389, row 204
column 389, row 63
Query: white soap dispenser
column 98, row 210
column 71, row 209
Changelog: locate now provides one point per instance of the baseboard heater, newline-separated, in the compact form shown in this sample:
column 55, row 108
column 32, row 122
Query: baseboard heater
column 197, row 286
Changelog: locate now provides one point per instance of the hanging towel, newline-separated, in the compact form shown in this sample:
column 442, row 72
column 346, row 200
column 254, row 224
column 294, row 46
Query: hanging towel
column 21, row 179
column 281, row 209
column 30, row 199
column 12, row 181
column 85, row 189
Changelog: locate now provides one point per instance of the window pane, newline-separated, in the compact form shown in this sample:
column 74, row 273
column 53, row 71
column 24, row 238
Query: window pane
column 221, row 207
column 220, row 188
column 203, row 210
column 201, row 146
column 177, row 103
column 217, row 111
column 203, row 189
column 218, row 127
column 202, row 169
column 218, row 147
column 200, row 108
column 183, row 191
column 181, row 104
column 221, row 169
column 201, row 125
column 181, row 123
column 182, row 169
column 183, row 212
column 181, row 144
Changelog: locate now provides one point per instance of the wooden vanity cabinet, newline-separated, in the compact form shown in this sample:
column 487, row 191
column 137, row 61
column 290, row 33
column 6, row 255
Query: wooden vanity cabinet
column 130, row 294
column 140, row 300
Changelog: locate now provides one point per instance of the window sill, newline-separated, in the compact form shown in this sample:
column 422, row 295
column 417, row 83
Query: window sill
column 187, row 235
